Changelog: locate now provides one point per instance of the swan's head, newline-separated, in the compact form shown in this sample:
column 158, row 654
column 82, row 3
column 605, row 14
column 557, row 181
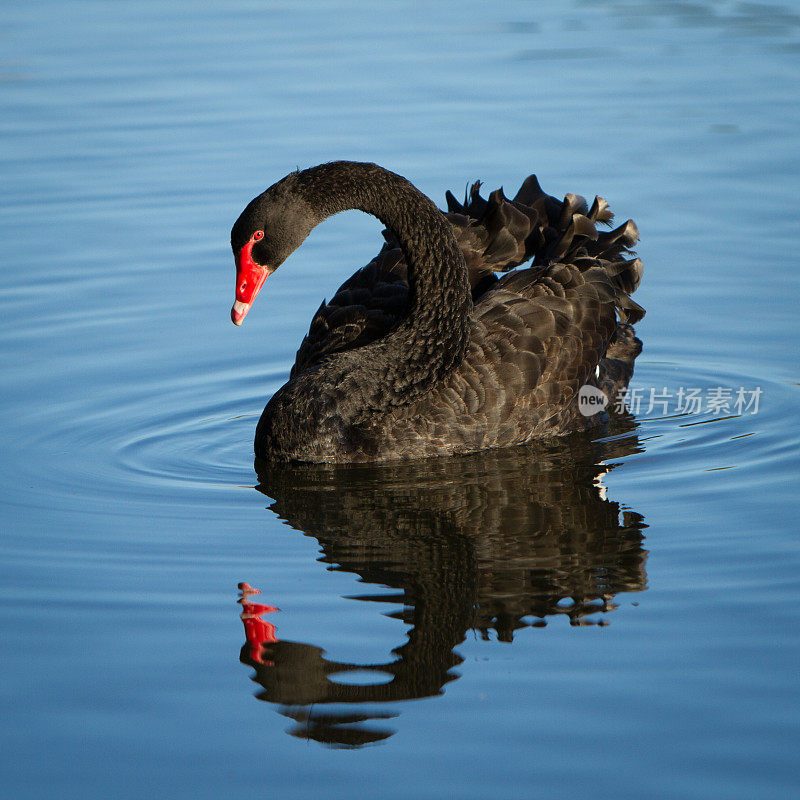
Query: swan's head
column 269, row 230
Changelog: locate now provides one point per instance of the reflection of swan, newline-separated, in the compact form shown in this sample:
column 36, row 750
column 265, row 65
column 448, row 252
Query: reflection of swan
column 493, row 541
column 425, row 352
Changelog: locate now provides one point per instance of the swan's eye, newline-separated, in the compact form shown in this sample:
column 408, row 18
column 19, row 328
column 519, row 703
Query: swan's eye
column 243, row 286
column 258, row 235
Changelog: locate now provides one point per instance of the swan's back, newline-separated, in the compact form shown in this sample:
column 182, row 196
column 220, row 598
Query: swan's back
column 539, row 333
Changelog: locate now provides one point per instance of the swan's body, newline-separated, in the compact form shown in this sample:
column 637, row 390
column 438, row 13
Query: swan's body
column 424, row 351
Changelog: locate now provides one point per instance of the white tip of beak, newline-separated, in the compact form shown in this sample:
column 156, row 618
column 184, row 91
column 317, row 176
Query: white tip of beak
column 239, row 312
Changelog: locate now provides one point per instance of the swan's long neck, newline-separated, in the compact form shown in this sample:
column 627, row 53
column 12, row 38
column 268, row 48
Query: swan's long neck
column 434, row 337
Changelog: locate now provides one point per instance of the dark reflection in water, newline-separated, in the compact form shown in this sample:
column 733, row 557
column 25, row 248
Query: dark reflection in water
column 495, row 541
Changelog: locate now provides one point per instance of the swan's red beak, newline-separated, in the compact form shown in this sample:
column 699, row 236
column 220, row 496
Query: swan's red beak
column 250, row 278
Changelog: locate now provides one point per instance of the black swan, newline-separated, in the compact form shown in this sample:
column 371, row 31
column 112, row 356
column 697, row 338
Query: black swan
column 425, row 351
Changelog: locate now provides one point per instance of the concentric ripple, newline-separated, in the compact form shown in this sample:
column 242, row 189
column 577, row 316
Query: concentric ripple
column 188, row 438
column 145, row 441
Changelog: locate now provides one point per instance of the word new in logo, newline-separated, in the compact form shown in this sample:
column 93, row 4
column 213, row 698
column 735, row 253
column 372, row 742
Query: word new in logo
column 591, row 400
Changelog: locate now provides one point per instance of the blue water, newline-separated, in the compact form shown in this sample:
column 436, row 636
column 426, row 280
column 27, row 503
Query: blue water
column 616, row 617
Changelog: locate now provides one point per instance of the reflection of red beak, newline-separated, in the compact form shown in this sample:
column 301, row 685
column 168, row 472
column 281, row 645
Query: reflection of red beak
column 250, row 278
column 258, row 631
